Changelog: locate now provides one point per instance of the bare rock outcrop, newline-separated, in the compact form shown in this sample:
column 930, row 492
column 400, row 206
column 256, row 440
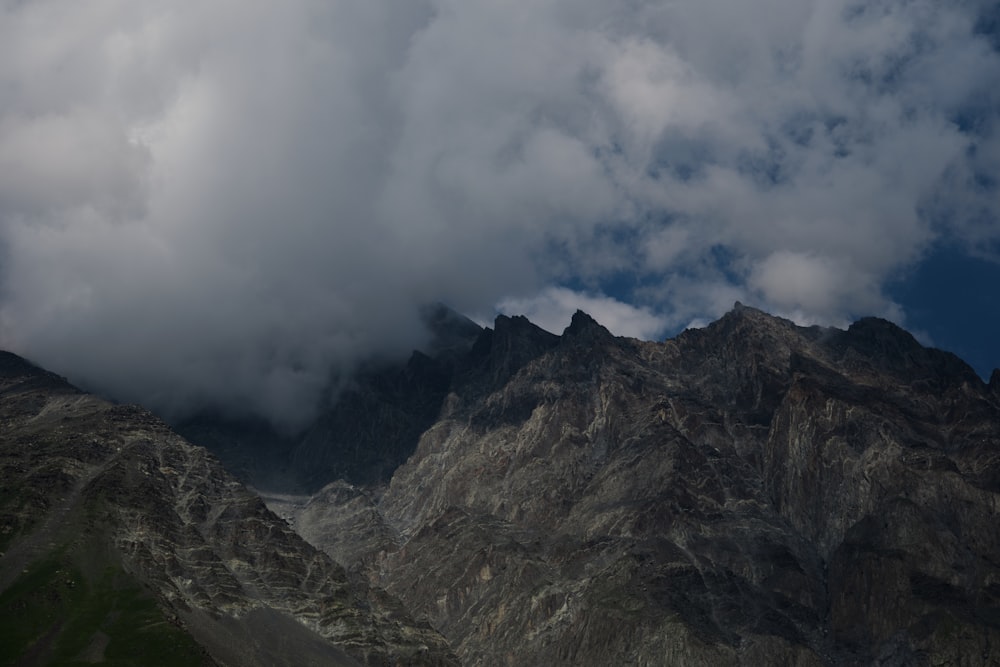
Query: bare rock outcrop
column 749, row 493
column 94, row 490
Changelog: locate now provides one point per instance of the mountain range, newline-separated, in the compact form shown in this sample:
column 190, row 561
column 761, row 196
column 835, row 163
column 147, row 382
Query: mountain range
column 749, row 493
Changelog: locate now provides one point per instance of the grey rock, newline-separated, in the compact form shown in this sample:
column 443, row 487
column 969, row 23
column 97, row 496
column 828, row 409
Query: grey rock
column 96, row 487
column 749, row 493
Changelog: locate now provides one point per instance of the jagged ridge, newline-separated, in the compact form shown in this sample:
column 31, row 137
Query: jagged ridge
column 749, row 493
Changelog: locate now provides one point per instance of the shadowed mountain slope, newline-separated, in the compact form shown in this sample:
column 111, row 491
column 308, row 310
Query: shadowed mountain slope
column 124, row 544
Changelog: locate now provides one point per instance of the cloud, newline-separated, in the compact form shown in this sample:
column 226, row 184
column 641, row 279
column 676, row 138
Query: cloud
column 553, row 308
column 221, row 204
column 796, row 282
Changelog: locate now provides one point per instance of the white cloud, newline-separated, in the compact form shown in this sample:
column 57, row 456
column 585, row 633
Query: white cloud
column 553, row 308
column 218, row 202
column 802, row 284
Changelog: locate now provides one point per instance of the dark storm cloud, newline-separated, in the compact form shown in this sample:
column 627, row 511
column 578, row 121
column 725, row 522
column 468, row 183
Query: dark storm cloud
column 218, row 203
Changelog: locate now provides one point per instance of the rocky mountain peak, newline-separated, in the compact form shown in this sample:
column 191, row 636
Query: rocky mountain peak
column 585, row 329
column 887, row 348
column 518, row 330
column 747, row 318
column 16, row 370
column 450, row 331
column 747, row 328
column 880, row 337
column 13, row 366
column 500, row 352
column 746, row 338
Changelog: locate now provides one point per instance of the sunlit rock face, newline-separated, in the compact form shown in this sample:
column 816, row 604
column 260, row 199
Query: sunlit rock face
column 753, row 492
column 105, row 512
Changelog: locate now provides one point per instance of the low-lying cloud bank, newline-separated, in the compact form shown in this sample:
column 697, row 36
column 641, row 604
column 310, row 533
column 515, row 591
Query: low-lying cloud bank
column 217, row 203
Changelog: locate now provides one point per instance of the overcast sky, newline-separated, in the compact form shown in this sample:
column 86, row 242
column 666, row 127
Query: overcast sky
column 215, row 203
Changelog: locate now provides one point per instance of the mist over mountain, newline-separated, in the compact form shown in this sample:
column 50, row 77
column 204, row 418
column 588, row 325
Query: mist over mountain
column 228, row 205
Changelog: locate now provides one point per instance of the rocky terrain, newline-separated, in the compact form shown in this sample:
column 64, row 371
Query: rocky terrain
column 124, row 544
column 749, row 493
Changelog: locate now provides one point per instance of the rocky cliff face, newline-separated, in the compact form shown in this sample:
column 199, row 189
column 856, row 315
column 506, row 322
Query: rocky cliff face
column 124, row 543
column 749, row 493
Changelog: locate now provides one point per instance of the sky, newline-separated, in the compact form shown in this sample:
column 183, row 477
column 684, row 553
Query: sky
column 224, row 204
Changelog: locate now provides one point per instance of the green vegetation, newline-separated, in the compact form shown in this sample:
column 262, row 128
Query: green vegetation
column 52, row 615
